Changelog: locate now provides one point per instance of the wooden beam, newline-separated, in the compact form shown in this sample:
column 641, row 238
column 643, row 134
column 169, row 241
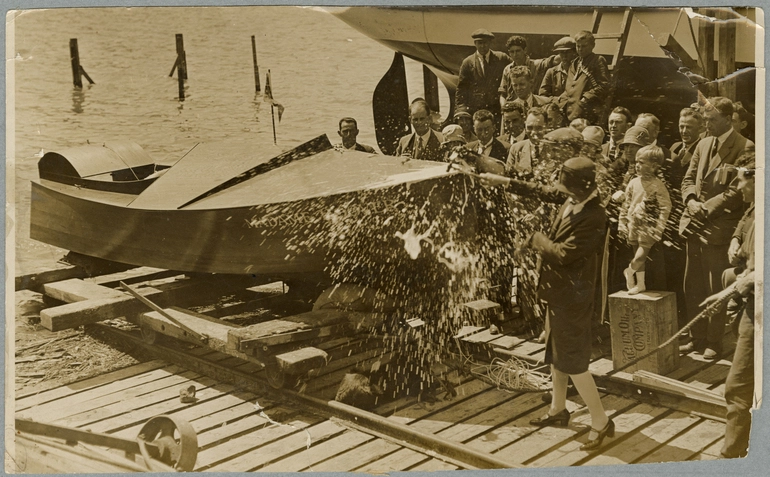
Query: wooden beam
column 86, row 312
column 254, row 336
column 302, row 360
column 726, row 61
column 35, row 281
column 74, row 290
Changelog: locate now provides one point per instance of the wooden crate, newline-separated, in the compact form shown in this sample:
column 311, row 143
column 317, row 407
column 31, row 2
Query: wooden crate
column 640, row 323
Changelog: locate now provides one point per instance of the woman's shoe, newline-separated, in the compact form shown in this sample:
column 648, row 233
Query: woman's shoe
column 561, row 418
column 609, row 430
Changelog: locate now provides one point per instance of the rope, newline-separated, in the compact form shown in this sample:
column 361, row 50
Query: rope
column 710, row 311
column 513, row 375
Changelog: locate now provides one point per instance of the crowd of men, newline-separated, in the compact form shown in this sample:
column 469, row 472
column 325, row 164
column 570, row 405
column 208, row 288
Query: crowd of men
column 549, row 111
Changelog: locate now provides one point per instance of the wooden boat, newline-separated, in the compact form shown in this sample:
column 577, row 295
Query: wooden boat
column 219, row 209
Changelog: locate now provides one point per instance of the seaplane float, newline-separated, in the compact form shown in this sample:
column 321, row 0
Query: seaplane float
column 659, row 56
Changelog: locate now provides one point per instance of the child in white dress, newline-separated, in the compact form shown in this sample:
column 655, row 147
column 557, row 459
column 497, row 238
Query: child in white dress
column 643, row 215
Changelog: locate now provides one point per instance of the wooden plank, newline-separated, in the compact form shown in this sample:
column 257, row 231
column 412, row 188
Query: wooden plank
column 35, row 281
column 35, row 455
column 301, row 360
column 159, row 403
column 67, row 398
column 484, row 336
column 434, row 465
column 570, row 454
column 506, row 342
column 247, row 338
column 419, row 410
column 298, row 336
column 308, row 458
column 482, row 305
column 371, row 451
column 214, row 412
column 251, row 423
column 247, row 443
column 688, row 444
column 645, row 440
column 74, row 290
column 673, row 386
column 468, row 330
column 106, row 406
column 75, row 314
column 493, row 418
column 712, row 452
column 24, row 401
column 458, row 413
column 134, row 275
column 402, row 459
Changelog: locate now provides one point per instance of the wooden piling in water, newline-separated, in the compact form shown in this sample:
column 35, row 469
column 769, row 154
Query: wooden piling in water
column 180, row 65
column 75, row 59
column 256, row 66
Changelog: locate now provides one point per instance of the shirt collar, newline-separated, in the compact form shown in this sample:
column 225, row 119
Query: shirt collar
column 486, row 57
column 576, row 208
column 488, row 143
column 425, row 137
column 723, row 137
column 351, row 148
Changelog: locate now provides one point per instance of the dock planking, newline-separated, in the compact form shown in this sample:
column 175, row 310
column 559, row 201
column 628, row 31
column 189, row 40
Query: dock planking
column 234, row 436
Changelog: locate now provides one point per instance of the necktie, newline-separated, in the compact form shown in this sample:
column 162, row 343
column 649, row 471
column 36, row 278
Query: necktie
column 418, row 148
column 611, row 152
column 483, row 66
column 714, row 154
column 481, row 148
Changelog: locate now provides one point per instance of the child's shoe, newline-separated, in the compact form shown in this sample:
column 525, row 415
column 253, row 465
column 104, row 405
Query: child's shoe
column 629, row 274
column 640, row 287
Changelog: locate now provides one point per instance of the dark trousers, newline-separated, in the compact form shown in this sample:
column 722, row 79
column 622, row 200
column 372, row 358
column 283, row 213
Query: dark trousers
column 703, row 278
column 675, row 258
column 739, row 387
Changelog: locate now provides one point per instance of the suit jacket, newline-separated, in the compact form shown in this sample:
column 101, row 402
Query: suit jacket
column 477, row 90
column 554, row 81
column 586, row 88
column 519, row 158
column 432, row 150
column 708, row 180
column 499, row 150
column 365, row 148
column 571, row 254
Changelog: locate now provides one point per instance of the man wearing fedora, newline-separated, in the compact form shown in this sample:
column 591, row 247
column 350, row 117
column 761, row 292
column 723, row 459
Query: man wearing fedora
column 570, row 257
column 480, row 76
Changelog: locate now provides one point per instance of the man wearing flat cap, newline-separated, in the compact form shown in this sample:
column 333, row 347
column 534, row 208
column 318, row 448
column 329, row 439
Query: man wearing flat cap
column 480, row 76
column 465, row 120
column 555, row 78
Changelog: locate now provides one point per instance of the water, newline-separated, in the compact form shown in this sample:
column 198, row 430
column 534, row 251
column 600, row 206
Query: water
column 322, row 70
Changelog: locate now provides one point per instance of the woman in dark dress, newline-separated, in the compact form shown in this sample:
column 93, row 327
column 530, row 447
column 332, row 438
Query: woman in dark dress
column 570, row 254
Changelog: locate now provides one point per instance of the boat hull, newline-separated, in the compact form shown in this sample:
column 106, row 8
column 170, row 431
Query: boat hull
column 281, row 240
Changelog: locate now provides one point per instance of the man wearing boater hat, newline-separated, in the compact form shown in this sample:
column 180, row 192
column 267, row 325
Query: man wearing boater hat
column 480, row 76
column 570, row 255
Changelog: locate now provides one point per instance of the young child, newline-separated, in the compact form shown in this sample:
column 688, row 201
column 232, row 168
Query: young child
column 644, row 213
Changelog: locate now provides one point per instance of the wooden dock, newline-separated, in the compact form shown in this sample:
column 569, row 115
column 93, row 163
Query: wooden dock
column 481, row 423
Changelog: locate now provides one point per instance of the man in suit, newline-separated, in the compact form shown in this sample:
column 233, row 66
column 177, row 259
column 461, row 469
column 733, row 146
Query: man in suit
column 513, row 123
column 480, row 76
column 524, row 155
column 555, row 77
column 712, row 211
column 487, row 144
column 517, row 84
column 675, row 256
column 587, row 83
column 517, row 50
column 617, row 124
column 349, row 132
column 424, row 143
column 651, row 123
